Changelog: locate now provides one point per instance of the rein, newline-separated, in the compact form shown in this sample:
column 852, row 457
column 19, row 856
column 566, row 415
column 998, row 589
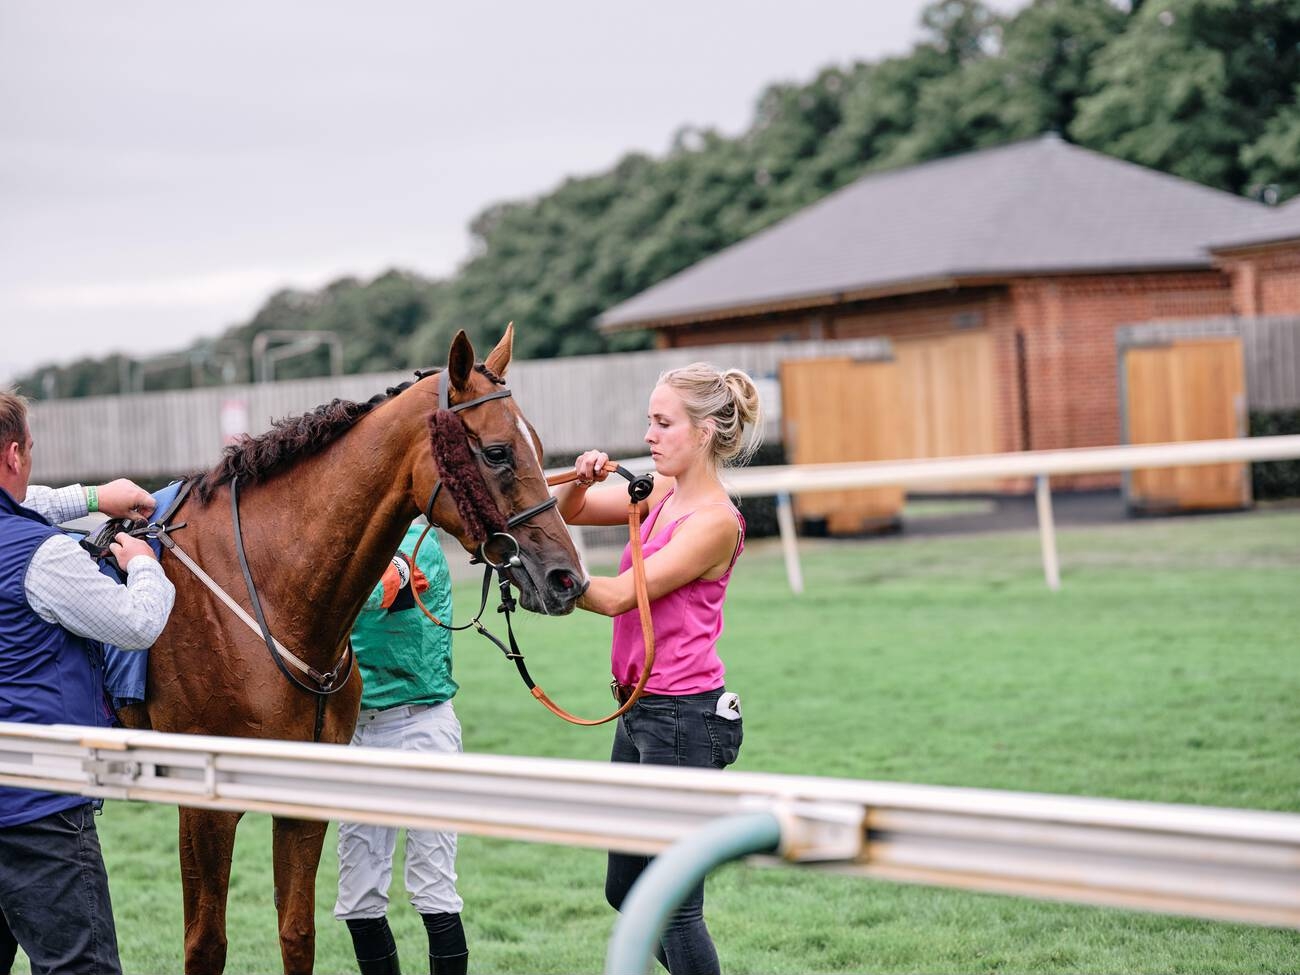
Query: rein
column 638, row 490
column 327, row 683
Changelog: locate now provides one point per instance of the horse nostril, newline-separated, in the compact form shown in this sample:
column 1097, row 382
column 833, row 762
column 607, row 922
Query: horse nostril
column 562, row 581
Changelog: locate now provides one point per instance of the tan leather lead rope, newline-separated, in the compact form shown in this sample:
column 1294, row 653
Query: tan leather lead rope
column 642, row 605
column 642, row 602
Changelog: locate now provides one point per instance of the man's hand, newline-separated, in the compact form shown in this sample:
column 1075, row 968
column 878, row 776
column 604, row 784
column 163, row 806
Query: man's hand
column 124, row 548
column 125, row 499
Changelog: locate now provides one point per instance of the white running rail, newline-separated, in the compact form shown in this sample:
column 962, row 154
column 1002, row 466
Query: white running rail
column 1040, row 464
column 1231, row 864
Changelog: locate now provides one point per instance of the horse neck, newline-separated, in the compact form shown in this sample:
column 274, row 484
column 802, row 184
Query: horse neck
column 328, row 526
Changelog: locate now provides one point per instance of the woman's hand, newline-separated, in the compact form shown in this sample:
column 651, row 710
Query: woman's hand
column 579, row 506
column 590, row 466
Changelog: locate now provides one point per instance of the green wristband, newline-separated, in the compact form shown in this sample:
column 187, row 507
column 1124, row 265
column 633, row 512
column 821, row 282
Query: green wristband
column 92, row 499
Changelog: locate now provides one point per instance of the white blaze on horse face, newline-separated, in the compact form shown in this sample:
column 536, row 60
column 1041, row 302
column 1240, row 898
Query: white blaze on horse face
column 528, row 437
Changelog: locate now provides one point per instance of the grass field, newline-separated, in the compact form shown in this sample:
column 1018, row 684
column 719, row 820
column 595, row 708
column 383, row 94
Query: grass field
column 1167, row 668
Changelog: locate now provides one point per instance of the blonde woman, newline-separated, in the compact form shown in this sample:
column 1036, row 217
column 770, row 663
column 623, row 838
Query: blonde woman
column 700, row 419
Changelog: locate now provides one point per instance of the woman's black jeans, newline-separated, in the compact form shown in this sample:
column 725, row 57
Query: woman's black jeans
column 667, row 730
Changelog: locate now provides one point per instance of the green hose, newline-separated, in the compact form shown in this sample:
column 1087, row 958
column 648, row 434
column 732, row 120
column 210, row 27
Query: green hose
column 663, row 886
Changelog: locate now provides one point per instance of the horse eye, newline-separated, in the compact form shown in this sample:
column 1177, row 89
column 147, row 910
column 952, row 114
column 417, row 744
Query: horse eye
column 497, row 454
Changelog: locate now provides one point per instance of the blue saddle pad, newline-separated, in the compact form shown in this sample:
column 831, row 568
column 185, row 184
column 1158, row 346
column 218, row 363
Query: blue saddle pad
column 125, row 670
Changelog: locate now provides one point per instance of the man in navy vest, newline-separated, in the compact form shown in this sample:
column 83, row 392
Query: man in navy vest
column 56, row 608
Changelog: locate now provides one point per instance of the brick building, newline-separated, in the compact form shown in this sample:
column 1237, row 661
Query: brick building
column 1264, row 264
column 1042, row 247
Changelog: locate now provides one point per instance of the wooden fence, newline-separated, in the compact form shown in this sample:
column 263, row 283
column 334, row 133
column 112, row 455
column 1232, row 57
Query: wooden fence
column 1183, row 380
column 933, row 397
column 577, row 403
column 846, row 410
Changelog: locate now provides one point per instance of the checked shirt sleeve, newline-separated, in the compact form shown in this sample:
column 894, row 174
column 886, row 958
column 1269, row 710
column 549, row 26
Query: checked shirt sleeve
column 65, row 586
column 57, row 504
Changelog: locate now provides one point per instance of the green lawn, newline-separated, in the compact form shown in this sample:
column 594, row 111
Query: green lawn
column 1167, row 668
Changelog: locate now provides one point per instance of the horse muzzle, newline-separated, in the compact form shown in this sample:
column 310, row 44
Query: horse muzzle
column 556, row 596
column 555, row 593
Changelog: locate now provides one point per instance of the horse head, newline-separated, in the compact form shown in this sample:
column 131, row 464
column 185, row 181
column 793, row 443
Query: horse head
column 488, row 459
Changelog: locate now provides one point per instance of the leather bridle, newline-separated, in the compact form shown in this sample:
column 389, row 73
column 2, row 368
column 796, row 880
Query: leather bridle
column 639, row 489
column 515, row 520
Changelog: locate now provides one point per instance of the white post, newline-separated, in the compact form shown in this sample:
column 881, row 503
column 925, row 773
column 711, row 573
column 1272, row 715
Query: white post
column 1047, row 532
column 789, row 543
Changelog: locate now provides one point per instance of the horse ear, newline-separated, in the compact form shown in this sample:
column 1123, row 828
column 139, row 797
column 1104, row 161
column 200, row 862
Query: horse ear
column 460, row 361
column 498, row 359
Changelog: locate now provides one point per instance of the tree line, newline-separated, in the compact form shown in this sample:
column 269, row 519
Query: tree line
column 1205, row 89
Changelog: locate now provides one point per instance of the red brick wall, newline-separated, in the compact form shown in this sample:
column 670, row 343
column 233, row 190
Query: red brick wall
column 1266, row 281
column 1068, row 327
column 1071, row 362
column 907, row 316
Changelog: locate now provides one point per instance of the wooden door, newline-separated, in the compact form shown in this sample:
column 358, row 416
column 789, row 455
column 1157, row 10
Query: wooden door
column 1186, row 389
column 949, row 384
column 841, row 410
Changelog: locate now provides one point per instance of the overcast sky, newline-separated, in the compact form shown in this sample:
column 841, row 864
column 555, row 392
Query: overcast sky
column 165, row 166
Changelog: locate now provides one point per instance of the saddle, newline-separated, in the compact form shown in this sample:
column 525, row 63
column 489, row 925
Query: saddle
column 125, row 670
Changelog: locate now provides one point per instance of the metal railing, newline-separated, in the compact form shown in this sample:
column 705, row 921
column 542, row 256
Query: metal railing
column 1229, row 864
column 784, row 481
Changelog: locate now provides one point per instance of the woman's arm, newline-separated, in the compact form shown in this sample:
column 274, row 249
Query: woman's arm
column 699, row 545
column 582, row 503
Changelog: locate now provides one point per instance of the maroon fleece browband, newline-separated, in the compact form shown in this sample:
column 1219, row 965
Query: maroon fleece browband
column 461, row 476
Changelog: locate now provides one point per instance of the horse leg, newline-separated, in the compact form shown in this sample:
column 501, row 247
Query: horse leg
column 296, row 846
column 206, row 844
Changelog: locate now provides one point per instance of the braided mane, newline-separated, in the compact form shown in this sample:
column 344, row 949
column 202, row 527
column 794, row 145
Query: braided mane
column 256, row 459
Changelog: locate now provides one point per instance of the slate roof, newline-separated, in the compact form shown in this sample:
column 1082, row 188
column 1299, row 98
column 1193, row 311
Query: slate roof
column 1273, row 225
column 1033, row 207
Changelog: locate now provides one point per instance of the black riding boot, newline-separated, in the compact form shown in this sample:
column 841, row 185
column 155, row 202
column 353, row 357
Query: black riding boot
column 449, row 964
column 447, row 952
column 376, row 951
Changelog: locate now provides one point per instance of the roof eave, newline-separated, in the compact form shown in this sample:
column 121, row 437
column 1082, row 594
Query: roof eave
column 893, row 289
column 1242, row 249
column 778, row 305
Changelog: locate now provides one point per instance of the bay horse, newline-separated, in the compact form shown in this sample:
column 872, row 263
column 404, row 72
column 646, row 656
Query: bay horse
column 323, row 502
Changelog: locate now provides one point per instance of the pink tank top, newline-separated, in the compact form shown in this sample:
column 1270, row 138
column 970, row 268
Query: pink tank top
column 687, row 623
